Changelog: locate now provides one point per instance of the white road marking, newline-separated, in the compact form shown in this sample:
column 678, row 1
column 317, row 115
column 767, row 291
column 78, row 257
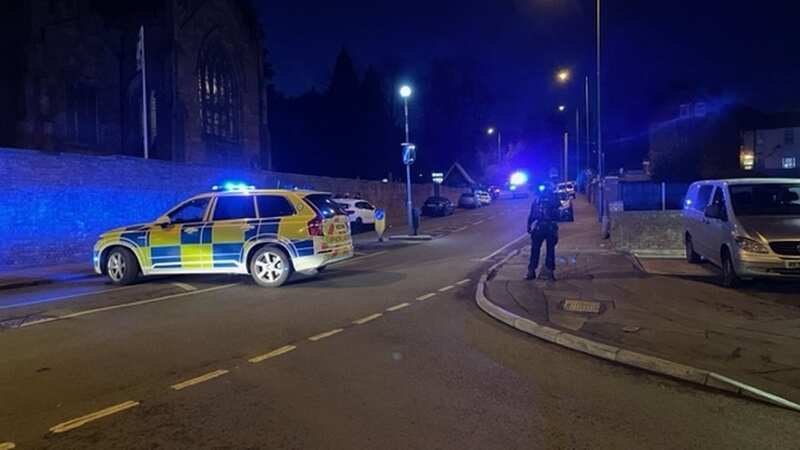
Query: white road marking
column 479, row 222
column 446, row 288
column 369, row 318
column 398, row 307
column 198, row 380
column 65, row 297
column 126, row 305
column 359, row 258
column 272, row 354
column 464, row 281
column 325, row 334
column 80, row 421
column 426, row 296
column 7, row 446
column 460, row 229
column 185, row 287
column 499, row 250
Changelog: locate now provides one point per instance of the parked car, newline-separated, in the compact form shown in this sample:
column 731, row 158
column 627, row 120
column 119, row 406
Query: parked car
column 567, row 187
column 494, row 191
column 269, row 234
column 566, row 210
column 438, row 206
column 748, row 227
column 469, row 200
column 483, row 197
column 360, row 212
column 519, row 191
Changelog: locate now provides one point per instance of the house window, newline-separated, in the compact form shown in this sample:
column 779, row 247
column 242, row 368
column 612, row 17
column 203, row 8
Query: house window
column 218, row 91
column 81, row 117
column 788, row 136
column 790, row 162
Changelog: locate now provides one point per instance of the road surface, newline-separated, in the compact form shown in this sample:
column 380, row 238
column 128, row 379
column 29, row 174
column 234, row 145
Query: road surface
column 387, row 350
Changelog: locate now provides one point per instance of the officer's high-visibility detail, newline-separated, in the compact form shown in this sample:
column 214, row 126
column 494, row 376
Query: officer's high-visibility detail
column 267, row 233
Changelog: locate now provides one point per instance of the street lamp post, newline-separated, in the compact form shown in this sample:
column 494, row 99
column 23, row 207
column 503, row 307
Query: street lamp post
column 405, row 93
column 600, row 155
column 492, row 131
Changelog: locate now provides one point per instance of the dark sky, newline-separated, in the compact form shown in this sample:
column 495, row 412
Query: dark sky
column 745, row 50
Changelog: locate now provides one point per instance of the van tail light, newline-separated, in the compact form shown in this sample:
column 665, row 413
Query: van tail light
column 315, row 227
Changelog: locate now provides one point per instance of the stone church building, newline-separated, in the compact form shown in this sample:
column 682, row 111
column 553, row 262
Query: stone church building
column 70, row 80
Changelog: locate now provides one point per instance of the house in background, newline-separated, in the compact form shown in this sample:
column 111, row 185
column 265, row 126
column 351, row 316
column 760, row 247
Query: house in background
column 772, row 145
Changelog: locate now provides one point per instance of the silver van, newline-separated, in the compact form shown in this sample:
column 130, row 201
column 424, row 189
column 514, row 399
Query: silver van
column 749, row 227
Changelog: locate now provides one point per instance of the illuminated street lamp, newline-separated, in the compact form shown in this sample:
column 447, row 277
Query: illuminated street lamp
column 562, row 108
column 491, row 131
column 408, row 158
column 563, row 75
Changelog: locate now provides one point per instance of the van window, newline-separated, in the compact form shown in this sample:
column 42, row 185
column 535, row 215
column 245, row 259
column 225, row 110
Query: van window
column 719, row 199
column 703, row 196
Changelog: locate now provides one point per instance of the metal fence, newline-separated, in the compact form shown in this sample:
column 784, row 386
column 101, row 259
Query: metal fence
column 652, row 196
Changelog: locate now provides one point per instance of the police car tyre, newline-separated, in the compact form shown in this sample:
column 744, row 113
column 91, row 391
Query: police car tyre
column 121, row 266
column 270, row 266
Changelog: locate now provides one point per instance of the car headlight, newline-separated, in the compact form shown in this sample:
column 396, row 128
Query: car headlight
column 750, row 245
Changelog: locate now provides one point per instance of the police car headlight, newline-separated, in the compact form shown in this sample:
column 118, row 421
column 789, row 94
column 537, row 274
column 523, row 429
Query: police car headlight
column 750, row 245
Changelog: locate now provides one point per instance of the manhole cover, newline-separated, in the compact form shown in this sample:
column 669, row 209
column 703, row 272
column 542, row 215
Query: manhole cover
column 582, row 306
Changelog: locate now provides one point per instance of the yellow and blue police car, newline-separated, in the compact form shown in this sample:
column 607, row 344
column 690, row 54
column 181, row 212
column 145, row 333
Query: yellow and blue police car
column 268, row 233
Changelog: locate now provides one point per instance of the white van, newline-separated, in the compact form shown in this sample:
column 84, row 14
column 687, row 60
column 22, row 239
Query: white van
column 749, row 227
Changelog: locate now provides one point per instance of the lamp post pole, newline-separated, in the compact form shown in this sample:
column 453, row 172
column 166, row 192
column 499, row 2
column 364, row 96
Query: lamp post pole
column 405, row 92
column 600, row 155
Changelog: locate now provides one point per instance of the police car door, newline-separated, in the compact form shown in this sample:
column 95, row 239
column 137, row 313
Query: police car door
column 234, row 222
column 184, row 242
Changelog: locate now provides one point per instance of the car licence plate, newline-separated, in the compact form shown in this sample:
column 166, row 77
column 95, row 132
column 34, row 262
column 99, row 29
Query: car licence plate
column 793, row 264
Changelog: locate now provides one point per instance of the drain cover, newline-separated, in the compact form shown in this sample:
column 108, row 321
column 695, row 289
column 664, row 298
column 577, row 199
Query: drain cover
column 582, row 306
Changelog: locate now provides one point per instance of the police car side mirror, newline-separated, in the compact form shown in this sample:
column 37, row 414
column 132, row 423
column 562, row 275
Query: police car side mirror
column 163, row 221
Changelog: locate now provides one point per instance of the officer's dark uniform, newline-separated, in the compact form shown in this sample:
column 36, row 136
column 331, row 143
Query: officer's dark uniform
column 543, row 227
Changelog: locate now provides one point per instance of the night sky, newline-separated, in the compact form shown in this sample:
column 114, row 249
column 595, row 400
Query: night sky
column 747, row 51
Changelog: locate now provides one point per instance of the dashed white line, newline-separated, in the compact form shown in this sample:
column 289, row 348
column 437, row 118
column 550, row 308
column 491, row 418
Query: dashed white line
column 464, row 281
column 7, row 446
column 369, row 318
column 397, row 307
column 272, row 354
column 460, row 229
column 185, row 287
column 198, row 380
column 479, row 222
column 426, row 296
column 80, row 421
column 446, row 288
column 126, row 305
column 325, row 334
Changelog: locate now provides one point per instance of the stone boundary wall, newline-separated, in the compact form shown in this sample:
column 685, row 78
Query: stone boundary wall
column 53, row 206
column 647, row 230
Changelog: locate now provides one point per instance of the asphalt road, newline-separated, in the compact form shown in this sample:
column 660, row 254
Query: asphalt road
column 387, row 350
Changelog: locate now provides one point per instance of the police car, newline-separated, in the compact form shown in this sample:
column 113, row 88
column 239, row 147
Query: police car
column 268, row 234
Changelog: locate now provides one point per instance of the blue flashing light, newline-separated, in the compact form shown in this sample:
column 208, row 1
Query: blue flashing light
column 512, row 187
column 518, row 178
column 232, row 186
column 542, row 188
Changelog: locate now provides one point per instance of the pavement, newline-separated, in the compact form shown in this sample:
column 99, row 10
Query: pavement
column 387, row 350
column 665, row 308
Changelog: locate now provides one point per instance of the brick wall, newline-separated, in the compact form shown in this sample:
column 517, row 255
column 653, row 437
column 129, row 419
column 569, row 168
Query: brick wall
column 53, row 206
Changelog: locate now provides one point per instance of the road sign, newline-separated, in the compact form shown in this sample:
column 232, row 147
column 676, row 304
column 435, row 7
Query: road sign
column 437, row 177
column 380, row 223
column 409, row 153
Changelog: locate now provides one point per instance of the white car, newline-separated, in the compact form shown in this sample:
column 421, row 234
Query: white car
column 483, row 197
column 359, row 211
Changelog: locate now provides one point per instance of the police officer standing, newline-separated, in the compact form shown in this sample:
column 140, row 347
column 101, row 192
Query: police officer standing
column 543, row 228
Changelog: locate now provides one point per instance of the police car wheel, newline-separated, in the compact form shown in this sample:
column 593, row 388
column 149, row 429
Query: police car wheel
column 270, row 267
column 121, row 266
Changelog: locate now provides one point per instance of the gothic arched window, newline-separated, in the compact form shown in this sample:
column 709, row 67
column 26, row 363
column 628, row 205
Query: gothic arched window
column 218, row 90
